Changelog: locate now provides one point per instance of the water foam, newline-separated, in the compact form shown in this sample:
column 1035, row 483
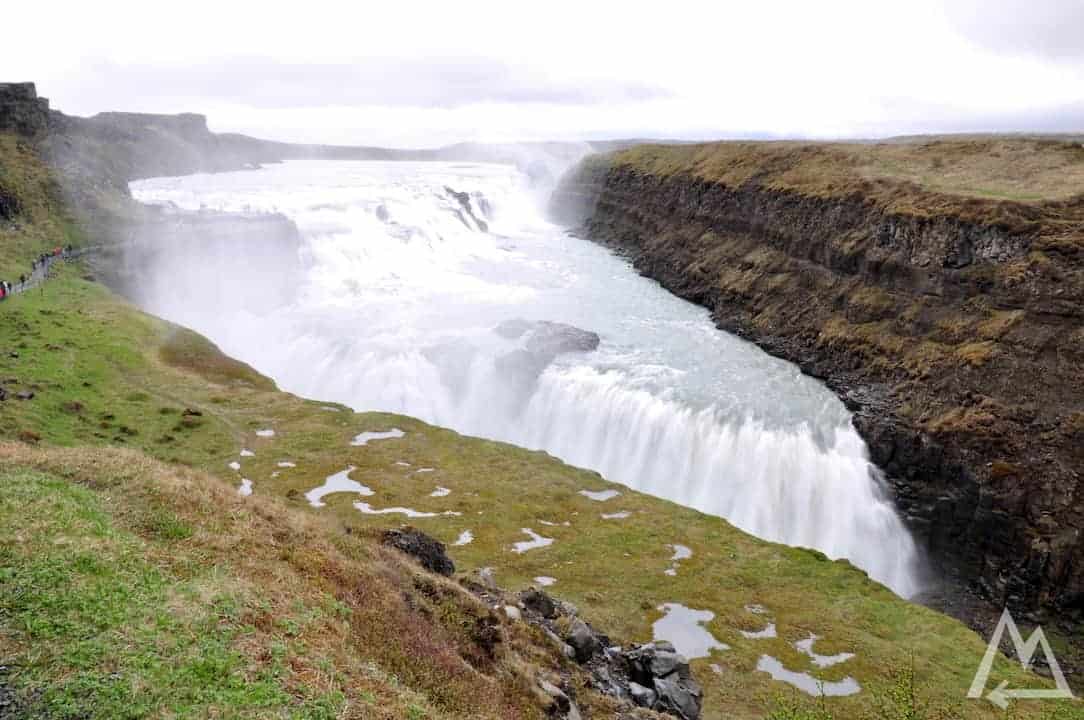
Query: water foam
column 395, row 307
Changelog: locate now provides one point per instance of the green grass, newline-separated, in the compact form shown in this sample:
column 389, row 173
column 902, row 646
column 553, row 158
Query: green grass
column 101, row 631
column 180, row 586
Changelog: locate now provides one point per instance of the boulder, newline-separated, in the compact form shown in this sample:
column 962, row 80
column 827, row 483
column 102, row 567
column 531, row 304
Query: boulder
column 25, row 395
column 539, row 602
column 582, row 640
column 678, row 697
column 553, row 338
column 426, row 550
column 642, row 696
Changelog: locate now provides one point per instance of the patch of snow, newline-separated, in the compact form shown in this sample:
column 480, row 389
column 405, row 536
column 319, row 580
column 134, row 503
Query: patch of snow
column 424, row 470
column 681, row 552
column 806, row 682
column 339, row 482
column 545, row 580
column 402, row 464
column 234, row 465
column 616, row 516
column 465, row 538
column 287, row 464
column 409, row 512
column 265, row 433
column 440, row 492
column 536, row 541
column 600, row 495
column 365, row 438
column 684, row 627
column 246, row 488
column 247, row 453
column 822, row 661
column 756, row 609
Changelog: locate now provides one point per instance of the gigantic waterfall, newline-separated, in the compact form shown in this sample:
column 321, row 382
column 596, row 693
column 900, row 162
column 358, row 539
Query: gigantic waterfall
column 404, row 271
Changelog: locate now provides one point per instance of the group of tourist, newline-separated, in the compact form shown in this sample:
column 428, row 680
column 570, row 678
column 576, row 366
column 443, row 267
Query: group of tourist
column 38, row 268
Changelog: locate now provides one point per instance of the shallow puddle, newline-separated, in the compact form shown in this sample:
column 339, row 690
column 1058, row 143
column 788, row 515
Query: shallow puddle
column 536, row 541
column 366, row 437
column 806, row 682
column 339, row 482
column 600, row 495
column 684, row 628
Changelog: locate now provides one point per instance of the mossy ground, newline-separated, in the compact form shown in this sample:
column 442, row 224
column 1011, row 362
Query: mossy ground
column 156, row 590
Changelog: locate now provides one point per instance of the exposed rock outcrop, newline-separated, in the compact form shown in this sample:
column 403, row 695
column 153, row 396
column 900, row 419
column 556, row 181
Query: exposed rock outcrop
column 652, row 676
column 952, row 327
column 21, row 110
column 428, row 551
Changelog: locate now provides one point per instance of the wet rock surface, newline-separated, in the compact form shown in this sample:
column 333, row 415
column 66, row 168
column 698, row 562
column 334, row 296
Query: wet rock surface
column 956, row 339
column 542, row 342
column 428, row 551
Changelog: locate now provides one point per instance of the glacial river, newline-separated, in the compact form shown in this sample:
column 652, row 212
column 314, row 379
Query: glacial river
column 394, row 295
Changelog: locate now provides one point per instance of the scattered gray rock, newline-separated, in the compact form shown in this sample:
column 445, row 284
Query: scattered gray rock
column 677, row 696
column 25, row 395
column 563, row 705
column 539, row 602
column 486, row 576
column 642, row 696
column 428, row 551
column 653, row 676
column 582, row 640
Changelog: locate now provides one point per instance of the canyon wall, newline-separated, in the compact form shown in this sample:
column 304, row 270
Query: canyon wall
column 950, row 325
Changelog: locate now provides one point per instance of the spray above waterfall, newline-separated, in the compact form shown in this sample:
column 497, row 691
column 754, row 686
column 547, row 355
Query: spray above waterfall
column 437, row 290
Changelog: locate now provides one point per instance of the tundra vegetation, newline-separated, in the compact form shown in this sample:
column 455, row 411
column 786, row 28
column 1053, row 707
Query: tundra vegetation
column 136, row 581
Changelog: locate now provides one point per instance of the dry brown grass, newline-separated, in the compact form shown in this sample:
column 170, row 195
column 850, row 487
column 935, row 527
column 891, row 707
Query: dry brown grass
column 1016, row 182
column 402, row 637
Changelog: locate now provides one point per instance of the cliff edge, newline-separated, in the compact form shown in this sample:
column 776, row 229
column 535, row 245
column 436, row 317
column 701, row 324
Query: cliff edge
column 936, row 286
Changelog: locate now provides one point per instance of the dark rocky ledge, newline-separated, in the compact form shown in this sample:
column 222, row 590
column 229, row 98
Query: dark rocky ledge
column 958, row 344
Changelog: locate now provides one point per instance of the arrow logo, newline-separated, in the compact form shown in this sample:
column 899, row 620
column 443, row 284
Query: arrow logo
column 1025, row 651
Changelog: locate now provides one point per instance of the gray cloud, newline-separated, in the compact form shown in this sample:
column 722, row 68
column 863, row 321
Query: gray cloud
column 1047, row 29
column 429, row 82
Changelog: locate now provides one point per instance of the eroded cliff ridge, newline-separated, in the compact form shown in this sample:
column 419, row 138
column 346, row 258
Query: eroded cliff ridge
column 937, row 286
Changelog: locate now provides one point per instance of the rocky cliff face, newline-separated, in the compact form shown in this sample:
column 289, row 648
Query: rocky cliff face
column 21, row 110
column 953, row 329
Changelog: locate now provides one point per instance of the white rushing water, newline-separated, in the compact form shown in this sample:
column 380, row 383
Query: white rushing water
column 394, row 305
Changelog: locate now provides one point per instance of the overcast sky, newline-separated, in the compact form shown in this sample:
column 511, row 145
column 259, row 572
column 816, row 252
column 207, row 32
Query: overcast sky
column 409, row 73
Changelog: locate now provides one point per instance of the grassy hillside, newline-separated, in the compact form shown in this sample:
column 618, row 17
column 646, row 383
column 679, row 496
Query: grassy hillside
column 136, row 582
